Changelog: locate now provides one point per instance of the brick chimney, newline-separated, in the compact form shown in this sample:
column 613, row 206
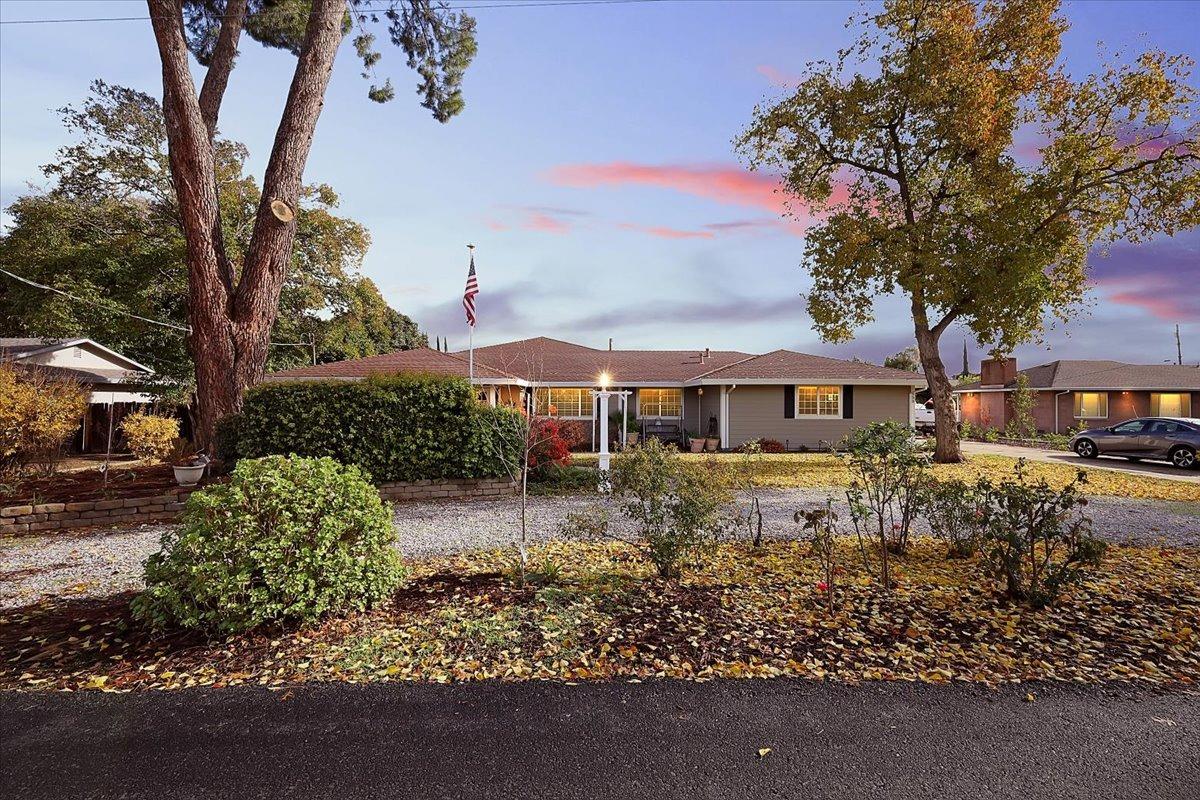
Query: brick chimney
column 997, row 371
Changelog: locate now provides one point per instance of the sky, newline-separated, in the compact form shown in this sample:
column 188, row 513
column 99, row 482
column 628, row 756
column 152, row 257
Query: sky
column 593, row 169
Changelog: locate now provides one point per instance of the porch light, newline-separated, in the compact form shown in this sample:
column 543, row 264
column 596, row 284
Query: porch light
column 603, row 380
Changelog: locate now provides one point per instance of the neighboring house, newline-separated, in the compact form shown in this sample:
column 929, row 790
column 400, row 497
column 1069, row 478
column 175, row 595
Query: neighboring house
column 1071, row 393
column 801, row 400
column 114, row 382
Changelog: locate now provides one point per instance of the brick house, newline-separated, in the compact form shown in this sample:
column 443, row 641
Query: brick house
column 1071, row 393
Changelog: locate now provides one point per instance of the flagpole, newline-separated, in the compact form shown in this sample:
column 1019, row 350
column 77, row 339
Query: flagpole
column 471, row 339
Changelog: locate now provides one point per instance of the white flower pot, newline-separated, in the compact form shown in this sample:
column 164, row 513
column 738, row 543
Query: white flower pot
column 189, row 476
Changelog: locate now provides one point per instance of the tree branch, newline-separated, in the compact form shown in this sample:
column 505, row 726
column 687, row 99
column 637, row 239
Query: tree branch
column 267, row 257
column 212, row 91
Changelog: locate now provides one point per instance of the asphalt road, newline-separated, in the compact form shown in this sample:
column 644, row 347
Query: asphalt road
column 656, row 740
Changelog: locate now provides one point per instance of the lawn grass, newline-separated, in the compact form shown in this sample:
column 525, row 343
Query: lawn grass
column 821, row 470
column 742, row 612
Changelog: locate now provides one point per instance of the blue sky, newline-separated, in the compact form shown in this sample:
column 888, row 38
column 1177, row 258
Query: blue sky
column 593, row 169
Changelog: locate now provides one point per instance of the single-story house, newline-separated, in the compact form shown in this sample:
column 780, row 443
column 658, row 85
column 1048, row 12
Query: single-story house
column 115, row 383
column 1070, row 393
column 798, row 399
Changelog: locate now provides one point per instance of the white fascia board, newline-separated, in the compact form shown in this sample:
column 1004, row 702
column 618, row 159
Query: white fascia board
column 90, row 343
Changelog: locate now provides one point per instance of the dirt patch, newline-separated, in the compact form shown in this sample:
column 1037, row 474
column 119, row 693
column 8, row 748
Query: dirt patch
column 89, row 484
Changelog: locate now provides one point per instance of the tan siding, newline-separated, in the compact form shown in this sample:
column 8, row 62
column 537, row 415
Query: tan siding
column 756, row 412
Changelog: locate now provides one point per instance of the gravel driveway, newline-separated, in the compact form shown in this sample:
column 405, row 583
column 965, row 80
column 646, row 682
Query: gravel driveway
column 99, row 561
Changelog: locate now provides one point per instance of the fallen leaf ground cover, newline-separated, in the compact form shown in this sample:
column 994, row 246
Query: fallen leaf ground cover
column 820, row 470
column 597, row 613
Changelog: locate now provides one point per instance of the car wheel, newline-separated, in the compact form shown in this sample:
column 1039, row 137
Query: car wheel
column 1086, row 448
column 1183, row 457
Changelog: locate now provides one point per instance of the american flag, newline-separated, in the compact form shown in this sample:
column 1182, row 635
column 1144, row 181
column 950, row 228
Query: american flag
column 470, row 292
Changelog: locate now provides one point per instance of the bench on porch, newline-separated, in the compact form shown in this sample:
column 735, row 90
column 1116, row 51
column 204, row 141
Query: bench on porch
column 663, row 430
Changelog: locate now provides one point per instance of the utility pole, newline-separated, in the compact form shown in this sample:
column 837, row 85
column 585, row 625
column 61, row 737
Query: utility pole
column 1178, row 347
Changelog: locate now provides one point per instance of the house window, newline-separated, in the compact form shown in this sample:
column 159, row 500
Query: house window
column 1091, row 405
column 563, row 402
column 1170, row 404
column 818, row 401
column 660, row 402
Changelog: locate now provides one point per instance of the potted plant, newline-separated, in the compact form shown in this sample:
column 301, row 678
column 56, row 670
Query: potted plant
column 632, row 431
column 712, row 441
column 187, row 463
column 695, row 443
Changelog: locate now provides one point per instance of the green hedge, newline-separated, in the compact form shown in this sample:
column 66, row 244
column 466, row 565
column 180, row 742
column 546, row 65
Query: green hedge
column 396, row 428
column 283, row 540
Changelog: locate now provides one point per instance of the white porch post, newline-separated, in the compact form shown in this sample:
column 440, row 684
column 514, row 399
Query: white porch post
column 624, row 420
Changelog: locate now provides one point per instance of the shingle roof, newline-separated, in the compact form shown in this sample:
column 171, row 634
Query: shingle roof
column 90, row 376
column 546, row 360
column 419, row 359
column 788, row 365
column 11, row 346
column 1098, row 374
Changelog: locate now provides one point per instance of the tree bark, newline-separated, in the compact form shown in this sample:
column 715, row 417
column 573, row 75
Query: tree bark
column 212, row 91
column 231, row 321
column 945, row 426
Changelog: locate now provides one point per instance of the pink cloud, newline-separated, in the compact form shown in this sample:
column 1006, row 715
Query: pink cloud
column 496, row 225
column 1153, row 276
column 537, row 221
column 664, row 232
column 777, row 77
column 1165, row 308
column 723, row 184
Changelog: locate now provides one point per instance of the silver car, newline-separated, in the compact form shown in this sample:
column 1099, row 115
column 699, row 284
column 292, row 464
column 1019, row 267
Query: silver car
column 1174, row 439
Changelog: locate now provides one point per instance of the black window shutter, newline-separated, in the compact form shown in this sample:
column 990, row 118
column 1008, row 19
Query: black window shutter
column 789, row 402
column 847, row 402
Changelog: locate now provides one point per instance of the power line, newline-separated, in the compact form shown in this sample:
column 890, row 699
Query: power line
column 113, row 309
column 96, row 303
column 360, row 9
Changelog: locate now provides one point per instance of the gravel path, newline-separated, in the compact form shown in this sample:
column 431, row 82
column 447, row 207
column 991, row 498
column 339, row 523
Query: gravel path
column 99, row 561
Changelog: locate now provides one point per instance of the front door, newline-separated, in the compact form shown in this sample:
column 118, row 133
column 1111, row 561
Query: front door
column 1124, row 439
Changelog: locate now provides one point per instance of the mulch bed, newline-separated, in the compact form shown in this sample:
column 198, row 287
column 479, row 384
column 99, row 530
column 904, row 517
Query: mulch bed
column 89, row 484
column 600, row 615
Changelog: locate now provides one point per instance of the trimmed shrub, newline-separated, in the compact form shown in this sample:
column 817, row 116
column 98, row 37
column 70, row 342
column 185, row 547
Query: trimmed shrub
column 284, row 540
column 675, row 504
column 397, row 428
column 1036, row 539
column 149, row 436
column 955, row 511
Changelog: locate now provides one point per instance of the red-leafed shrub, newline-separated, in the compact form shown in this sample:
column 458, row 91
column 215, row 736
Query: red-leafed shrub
column 548, row 443
column 576, row 433
column 771, row 446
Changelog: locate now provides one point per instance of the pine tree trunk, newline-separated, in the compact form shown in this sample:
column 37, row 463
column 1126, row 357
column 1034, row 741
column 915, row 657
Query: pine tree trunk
column 231, row 318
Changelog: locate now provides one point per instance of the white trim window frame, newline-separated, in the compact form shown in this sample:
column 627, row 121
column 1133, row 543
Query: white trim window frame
column 582, row 402
column 644, row 408
column 821, row 396
column 1084, row 411
column 1180, row 404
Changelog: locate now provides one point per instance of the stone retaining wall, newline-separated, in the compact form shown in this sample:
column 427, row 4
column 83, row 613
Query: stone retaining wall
column 31, row 518
column 83, row 514
column 447, row 489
